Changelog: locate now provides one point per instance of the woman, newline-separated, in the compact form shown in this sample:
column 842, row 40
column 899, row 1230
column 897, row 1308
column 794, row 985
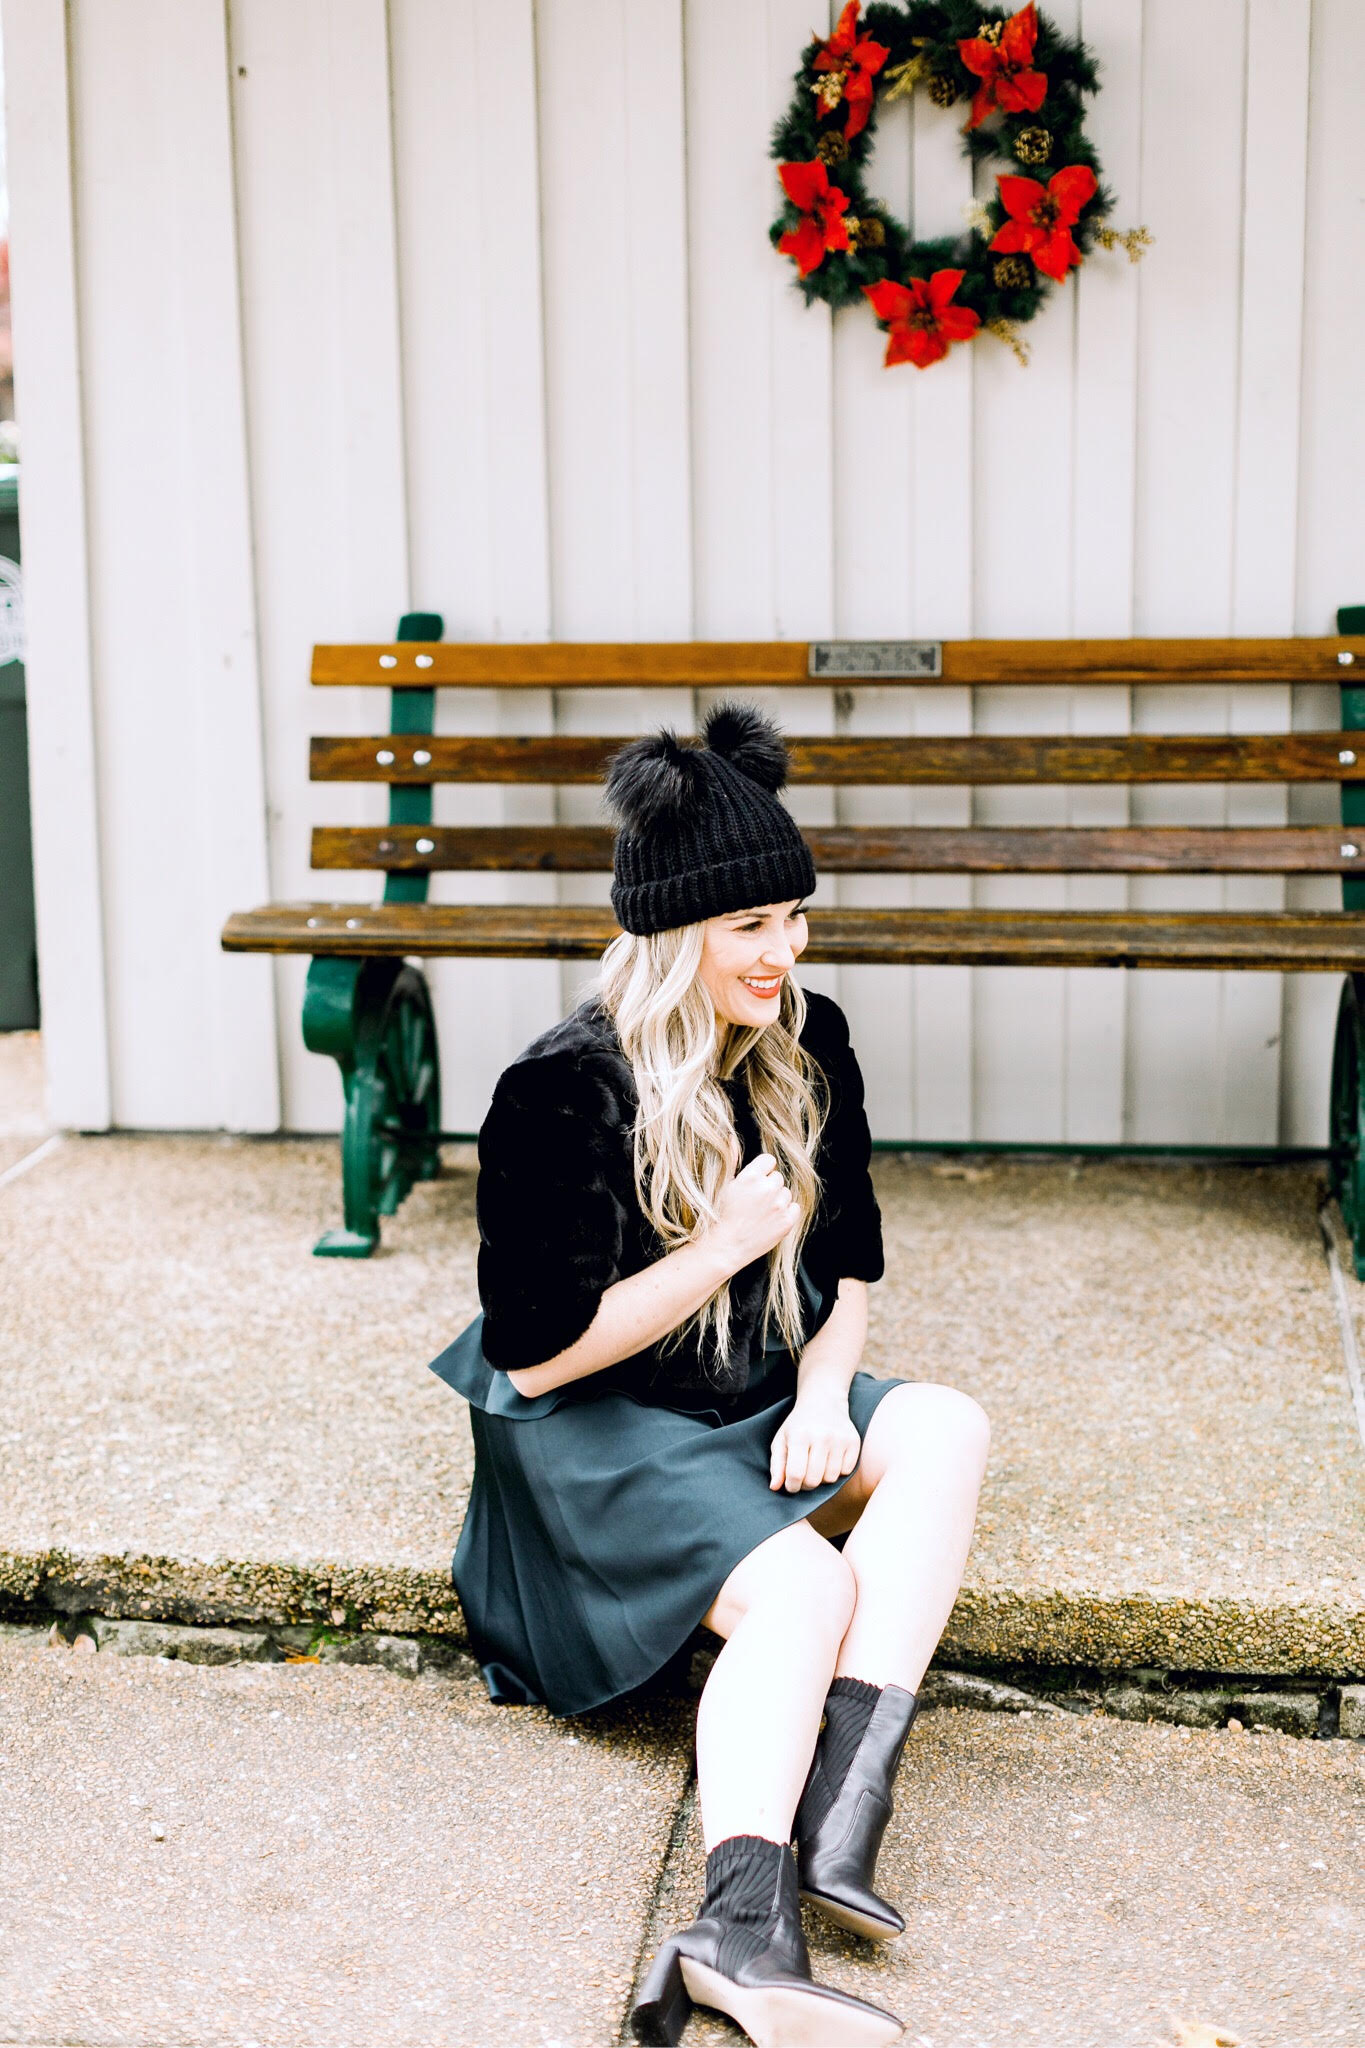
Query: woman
column 677, row 1232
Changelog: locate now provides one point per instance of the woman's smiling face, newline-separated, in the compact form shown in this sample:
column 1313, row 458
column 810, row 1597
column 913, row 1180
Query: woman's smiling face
column 746, row 957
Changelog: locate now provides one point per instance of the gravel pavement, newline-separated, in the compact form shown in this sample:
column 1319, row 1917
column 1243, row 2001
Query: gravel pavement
column 308, row 1856
column 204, row 1422
column 1088, row 1883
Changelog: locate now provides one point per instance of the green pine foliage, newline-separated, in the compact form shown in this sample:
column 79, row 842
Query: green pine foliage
column 931, row 30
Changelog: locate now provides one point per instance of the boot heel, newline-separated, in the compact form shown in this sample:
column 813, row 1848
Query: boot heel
column 664, row 2003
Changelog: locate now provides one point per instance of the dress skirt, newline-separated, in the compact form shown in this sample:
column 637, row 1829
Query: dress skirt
column 600, row 1528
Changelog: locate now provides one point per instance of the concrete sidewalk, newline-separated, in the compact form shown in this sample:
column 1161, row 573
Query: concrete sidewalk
column 1100, row 1885
column 280, row 1855
column 311, row 1857
column 203, row 1422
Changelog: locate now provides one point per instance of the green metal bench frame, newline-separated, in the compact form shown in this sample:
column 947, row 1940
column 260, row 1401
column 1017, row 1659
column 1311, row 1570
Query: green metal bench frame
column 374, row 1018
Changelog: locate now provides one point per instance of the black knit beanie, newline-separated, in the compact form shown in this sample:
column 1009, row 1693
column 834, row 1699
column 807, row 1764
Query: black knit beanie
column 701, row 827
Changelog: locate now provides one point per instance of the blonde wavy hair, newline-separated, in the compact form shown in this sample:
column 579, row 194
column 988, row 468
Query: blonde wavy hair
column 686, row 1148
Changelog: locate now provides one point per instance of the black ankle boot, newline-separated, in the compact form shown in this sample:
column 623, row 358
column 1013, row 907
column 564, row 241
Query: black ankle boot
column 847, row 1804
column 745, row 1954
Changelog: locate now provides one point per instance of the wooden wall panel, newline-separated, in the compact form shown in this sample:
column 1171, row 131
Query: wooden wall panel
column 874, row 470
column 1023, row 477
column 1330, row 566
column 464, row 121
column 1104, row 452
column 514, row 347
column 761, row 371
column 314, row 163
column 64, row 774
column 613, row 157
column 172, row 602
column 1185, row 515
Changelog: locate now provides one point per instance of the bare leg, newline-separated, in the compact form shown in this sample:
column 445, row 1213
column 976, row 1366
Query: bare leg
column 910, row 1506
column 783, row 1610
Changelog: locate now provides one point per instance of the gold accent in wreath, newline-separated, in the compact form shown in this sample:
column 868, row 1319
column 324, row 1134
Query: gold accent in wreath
column 1033, row 145
column 901, row 82
column 1134, row 240
column 1011, row 273
column 944, row 90
column 1006, row 331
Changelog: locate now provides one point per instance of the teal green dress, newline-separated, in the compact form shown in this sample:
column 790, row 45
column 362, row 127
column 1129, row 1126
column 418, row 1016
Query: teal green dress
column 605, row 1517
column 599, row 1531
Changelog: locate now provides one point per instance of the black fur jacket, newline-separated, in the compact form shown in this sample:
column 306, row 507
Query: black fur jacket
column 559, row 1220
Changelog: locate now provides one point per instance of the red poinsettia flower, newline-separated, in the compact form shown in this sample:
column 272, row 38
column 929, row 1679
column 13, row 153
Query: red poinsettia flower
column 820, row 226
column 850, row 62
column 1041, row 217
column 921, row 317
column 1002, row 63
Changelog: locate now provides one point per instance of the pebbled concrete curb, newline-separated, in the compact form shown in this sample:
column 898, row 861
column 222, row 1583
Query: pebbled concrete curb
column 991, row 1624
column 1071, row 1625
column 231, row 1591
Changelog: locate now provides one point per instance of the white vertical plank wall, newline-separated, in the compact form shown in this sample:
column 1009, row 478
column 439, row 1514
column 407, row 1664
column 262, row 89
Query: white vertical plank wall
column 63, row 754
column 328, row 311
column 177, row 699
column 1330, row 511
column 613, row 183
column 317, row 232
column 474, row 445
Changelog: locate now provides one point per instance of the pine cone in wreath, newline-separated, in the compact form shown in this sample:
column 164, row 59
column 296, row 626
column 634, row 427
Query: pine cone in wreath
column 943, row 89
column 1011, row 273
column 1033, row 145
column 832, row 148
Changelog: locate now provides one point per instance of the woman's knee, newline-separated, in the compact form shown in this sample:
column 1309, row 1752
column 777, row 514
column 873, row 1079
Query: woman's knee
column 924, row 1414
column 795, row 1572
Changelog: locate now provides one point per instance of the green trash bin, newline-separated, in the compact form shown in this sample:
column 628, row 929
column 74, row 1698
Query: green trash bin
column 18, row 938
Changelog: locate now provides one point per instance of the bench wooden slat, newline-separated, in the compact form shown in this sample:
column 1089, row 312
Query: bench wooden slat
column 746, row 664
column 870, row 849
column 981, row 759
column 1323, row 940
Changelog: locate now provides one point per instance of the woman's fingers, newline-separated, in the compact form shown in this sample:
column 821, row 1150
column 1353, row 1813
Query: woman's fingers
column 808, row 1467
column 794, row 1465
column 801, row 1459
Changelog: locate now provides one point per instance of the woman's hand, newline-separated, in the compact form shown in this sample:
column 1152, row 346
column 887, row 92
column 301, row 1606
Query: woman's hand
column 755, row 1211
column 816, row 1442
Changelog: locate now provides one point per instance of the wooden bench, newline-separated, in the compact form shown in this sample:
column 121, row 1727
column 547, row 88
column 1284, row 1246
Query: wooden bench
column 368, row 1006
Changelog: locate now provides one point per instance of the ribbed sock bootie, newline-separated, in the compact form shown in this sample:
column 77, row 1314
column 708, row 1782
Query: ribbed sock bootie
column 846, row 1804
column 745, row 1954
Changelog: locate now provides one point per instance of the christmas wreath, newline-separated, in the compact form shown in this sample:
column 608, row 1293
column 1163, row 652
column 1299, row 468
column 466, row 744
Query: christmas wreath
column 1025, row 82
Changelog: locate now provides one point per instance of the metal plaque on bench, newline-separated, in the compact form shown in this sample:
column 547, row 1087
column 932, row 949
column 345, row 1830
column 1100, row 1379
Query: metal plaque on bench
column 875, row 659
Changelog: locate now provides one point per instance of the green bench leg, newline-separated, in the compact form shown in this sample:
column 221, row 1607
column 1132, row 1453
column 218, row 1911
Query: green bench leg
column 374, row 1018
column 1348, row 1114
